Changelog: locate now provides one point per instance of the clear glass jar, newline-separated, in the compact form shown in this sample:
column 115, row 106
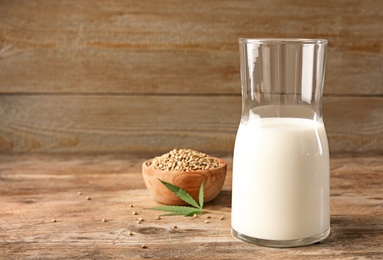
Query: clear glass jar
column 281, row 180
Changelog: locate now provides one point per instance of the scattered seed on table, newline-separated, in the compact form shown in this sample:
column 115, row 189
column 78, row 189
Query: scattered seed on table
column 88, row 198
column 158, row 218
column 53, row 220
column 79, row 193
column 131, row 205
column 104, row 220
column 139, row 221
column 175, row 227
column 144, row 247
column 208, row 217
column 207, row 221
column 195, row 216
column 130, row 233
column 134, row 213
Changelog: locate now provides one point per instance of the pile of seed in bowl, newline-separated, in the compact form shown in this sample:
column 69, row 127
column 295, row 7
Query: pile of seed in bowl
column 184, row 160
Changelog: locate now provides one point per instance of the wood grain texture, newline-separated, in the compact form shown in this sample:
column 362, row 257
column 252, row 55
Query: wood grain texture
column 35, row 189
column 177, row 47
column 90, row 76
column 118, row 123
column 157, row 124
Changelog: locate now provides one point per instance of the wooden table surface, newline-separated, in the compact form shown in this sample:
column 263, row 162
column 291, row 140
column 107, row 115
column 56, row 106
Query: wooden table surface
column 43, row 216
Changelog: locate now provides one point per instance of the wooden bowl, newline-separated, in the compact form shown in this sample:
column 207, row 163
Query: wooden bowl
column 187, row 180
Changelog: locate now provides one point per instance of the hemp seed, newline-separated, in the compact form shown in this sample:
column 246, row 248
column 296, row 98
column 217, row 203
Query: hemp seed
column 184, row 160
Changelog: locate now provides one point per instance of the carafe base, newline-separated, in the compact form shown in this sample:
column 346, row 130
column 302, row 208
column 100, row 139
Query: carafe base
column 282, row 243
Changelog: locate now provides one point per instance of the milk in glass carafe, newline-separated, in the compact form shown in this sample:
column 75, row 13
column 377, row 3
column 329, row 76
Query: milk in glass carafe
column 281, row 182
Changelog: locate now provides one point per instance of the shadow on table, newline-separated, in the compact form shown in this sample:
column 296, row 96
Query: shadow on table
column 352, row 231
column 222, row 201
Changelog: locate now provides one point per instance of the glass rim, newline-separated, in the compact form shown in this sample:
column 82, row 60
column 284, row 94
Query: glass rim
column 281, row 41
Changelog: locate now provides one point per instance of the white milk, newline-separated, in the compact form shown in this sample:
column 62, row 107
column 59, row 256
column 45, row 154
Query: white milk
column 281, row 179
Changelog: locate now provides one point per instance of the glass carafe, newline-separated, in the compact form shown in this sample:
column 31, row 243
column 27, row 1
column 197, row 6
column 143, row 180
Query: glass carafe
column 281, row 182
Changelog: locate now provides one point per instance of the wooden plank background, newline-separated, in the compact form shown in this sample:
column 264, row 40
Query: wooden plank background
column 148, row 76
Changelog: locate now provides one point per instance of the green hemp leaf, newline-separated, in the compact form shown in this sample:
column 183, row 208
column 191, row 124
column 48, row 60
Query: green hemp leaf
column 194, row 207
